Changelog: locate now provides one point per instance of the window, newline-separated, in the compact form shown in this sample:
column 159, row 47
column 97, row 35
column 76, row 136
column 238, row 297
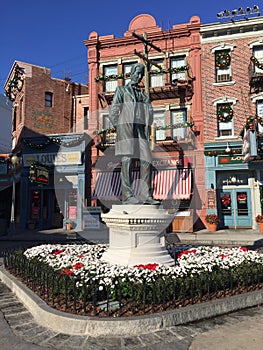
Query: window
column 225, row 128
column 14, row 118
column 48, row 99
column 126, row 72
column 258, row 53
column 106, row 123
column 223, row 66
column 159, row 120
column 179, row 116
column 112, row 83
column 110, row 137
column 177, row 62
column 260, row 113
column 86, row 118
column 156, row 78
column 21, row 108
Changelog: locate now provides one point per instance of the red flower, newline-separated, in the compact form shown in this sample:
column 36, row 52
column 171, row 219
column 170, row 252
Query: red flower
column 223, row 255
column 185, row 252
column 66, row 272
column 57, row 252
column 77, row 266
column 243, row 249
column 151, row 267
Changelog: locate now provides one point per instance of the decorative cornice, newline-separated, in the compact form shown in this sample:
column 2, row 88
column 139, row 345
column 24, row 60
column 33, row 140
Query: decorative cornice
column 231, row 29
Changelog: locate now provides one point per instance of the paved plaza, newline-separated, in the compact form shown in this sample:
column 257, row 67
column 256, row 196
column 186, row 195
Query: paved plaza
column 236, row 331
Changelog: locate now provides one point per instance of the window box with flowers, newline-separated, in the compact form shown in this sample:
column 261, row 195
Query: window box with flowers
column 259, row 221
column 212, row 221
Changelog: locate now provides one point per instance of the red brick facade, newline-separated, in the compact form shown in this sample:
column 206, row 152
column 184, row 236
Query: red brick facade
column 238, row 88
column 238, row 85
column 180, row 40
column 31, row 116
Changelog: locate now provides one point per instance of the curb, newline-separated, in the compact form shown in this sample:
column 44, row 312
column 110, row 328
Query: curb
column 84, row 325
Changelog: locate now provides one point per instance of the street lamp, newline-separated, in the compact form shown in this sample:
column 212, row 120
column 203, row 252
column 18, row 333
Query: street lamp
column 14, row 163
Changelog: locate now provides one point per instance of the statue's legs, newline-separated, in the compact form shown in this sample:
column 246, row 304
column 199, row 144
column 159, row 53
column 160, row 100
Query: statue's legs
column 126, row 178
column 145, row 188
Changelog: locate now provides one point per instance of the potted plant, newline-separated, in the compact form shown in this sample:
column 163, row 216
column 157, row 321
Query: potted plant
column 259, row 221
column 68, row 223
column 212, row 221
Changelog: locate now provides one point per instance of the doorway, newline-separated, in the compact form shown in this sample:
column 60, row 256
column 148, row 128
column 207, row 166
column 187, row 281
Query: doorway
column 44, row 209
column 234, row 207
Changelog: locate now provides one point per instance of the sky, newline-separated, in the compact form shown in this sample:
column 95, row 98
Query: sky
column 51, row 33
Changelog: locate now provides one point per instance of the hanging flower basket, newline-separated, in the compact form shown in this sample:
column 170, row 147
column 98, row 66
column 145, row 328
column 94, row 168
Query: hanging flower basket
column 225, row 113
column 223, row 60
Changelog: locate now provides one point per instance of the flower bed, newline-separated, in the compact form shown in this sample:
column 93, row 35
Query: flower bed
column 74, row 278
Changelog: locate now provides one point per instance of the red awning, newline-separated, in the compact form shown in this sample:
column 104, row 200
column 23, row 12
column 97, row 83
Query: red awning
column 167, row 184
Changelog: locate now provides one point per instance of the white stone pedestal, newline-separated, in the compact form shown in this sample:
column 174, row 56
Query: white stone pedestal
column 136, row 235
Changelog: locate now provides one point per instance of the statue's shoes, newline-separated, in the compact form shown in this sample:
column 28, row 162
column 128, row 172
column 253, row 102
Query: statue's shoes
column 131, row 200
column 151, row 201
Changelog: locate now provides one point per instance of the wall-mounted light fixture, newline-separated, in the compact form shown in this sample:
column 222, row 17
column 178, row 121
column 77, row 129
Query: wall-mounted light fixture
column 233, row 179
column 228, row 149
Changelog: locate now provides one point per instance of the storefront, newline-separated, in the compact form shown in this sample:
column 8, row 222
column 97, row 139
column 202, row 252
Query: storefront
column 234, row 188
column 52, row 181
column 172, row 183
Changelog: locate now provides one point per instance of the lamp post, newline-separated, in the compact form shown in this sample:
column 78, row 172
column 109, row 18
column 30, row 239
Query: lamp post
column 14, row 162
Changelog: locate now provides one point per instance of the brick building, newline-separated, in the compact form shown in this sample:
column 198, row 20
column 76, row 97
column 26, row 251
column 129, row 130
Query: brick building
column 173, row 81
column 232, row 53
column 45, row 113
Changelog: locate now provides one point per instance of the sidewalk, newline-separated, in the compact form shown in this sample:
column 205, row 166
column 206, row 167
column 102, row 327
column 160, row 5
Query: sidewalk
column 54, row 235
column 243, row 237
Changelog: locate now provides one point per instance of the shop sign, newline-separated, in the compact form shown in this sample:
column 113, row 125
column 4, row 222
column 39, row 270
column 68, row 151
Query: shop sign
column 91, row 221
column 91, row 218
column 72, row 212
column 110, row 164
column 39, row 174
column 211, row 199
column 230, row 159
column 60, row 158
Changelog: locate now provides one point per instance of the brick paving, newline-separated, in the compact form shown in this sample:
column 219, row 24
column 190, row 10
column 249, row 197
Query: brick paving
column 18, row 329
column 23, row 326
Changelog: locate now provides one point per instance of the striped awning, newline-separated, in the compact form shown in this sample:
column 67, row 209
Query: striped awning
column 166, row 184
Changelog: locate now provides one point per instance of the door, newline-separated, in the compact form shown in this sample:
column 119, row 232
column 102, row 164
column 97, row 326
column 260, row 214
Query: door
column 40, row 208
column 235, row 208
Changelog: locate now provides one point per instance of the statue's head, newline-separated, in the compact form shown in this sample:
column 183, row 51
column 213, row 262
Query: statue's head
column 137, row 73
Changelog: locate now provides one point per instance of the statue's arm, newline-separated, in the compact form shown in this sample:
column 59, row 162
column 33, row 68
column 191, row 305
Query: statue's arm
column 150, row 109
column 116, row 106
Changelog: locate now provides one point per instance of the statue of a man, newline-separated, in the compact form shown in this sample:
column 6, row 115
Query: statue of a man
column 131, row 114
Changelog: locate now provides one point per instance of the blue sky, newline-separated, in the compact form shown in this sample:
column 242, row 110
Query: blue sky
column 51, row 33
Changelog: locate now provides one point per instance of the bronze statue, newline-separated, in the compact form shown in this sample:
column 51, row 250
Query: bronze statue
column 131, row 114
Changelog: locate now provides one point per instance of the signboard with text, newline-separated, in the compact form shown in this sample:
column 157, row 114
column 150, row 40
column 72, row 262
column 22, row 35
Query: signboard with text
column 211, row 199
column 60, row 158
column 235, row 159
column 39, row 174
column 91, row 218
column 110, row 163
